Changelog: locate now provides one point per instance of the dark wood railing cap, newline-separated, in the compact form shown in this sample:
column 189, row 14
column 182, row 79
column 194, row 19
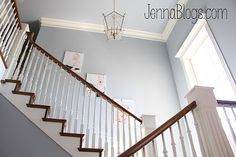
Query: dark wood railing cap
column 88, row 85
column 3, row 59
column 226, row 103
column 143, row 142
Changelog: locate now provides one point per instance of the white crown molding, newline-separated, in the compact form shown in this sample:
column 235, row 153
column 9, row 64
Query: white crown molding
column 59, row 23
column 89, row 27
column 75, row 25
column 171, row 23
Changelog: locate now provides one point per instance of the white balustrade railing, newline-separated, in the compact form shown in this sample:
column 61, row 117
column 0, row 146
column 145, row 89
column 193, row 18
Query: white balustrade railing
column 105, row 124
column 196, row 131
column 227, row 113
column 173, row 138
column 9, row 28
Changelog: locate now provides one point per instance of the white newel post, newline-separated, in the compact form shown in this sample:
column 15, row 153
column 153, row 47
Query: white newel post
column 149, row 125
column 214, row 140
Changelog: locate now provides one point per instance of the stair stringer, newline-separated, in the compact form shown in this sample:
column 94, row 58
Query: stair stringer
column 69, row 144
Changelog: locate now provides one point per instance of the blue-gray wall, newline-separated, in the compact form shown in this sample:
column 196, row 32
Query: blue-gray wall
column 223, row 30
column 20, row 137
column 136, row 69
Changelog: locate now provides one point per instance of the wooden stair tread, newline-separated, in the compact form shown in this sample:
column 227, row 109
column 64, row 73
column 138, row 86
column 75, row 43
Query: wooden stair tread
column 54, row 120
column 98, row 150
column 38, row 106
column 17, row 82
column 71, row 134
column 11, row 81
column 23, row 93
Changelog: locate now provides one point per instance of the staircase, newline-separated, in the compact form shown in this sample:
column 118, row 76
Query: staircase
column 54, row 128
column 82, row 111
column 86, row 122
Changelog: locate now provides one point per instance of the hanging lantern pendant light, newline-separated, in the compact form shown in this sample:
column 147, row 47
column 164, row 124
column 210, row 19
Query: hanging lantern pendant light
column 113, row 23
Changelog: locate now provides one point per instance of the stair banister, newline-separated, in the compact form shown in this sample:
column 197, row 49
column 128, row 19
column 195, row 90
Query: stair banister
column 227, row 114
column 142, row 143
column 115, row 104
column 213, row 139
column 10, row 25
column 17, row 13
column 90, row 102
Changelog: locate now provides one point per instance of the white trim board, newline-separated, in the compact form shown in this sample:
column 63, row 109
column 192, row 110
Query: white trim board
column 97, row 28
column 88, row 27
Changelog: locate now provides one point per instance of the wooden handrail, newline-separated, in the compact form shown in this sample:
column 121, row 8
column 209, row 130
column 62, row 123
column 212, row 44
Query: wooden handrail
column 226, row 102
column 17, row 12
column 87, row 84
column 3, row 60
column 143, row 142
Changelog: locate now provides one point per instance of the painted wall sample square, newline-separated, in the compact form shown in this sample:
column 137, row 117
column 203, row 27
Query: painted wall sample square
column 127, row 104
column 74, row 60
column 98, row 80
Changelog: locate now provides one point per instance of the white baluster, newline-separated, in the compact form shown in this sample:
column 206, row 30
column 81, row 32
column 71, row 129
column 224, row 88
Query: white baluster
column 19, row 66
column 141, row 136
column 56, row 97
column 198, row 133
column 77, row 109
column 40, row 89
column 190, row 137
column 4, row 9
column 6, row 13
column 1, row 4
column 129, row 129
column 5, row 35
column 112, row 131
column 37, row 76
column 5, row 30
column 88, row 120
column 106, row 128
column 26, row 62
column 51, row 111
column 135, row 135
column 135, row 132
column 123, row 123
column 71, row 106
column 11, row 41
column 49, row 72
column 165, row 152
column 29, row 85
column 230, row 126
column 232, row 109
column 182, row 140
column 118, row 130
column 65, row 105
column 94, row 122
column 60, row 107
column 100, row 125
column 82, row 118
column 56, row 71
column 173, row 142
column 67, row 102
column 29, row 66
column 154, row 148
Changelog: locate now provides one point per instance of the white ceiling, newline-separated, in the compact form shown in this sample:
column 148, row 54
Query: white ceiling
column 90, row 11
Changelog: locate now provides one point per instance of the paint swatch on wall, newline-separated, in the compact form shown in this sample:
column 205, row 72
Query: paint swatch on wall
column 74, row 60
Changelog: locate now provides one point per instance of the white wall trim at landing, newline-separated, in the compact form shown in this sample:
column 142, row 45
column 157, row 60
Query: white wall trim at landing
column 97, row 28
